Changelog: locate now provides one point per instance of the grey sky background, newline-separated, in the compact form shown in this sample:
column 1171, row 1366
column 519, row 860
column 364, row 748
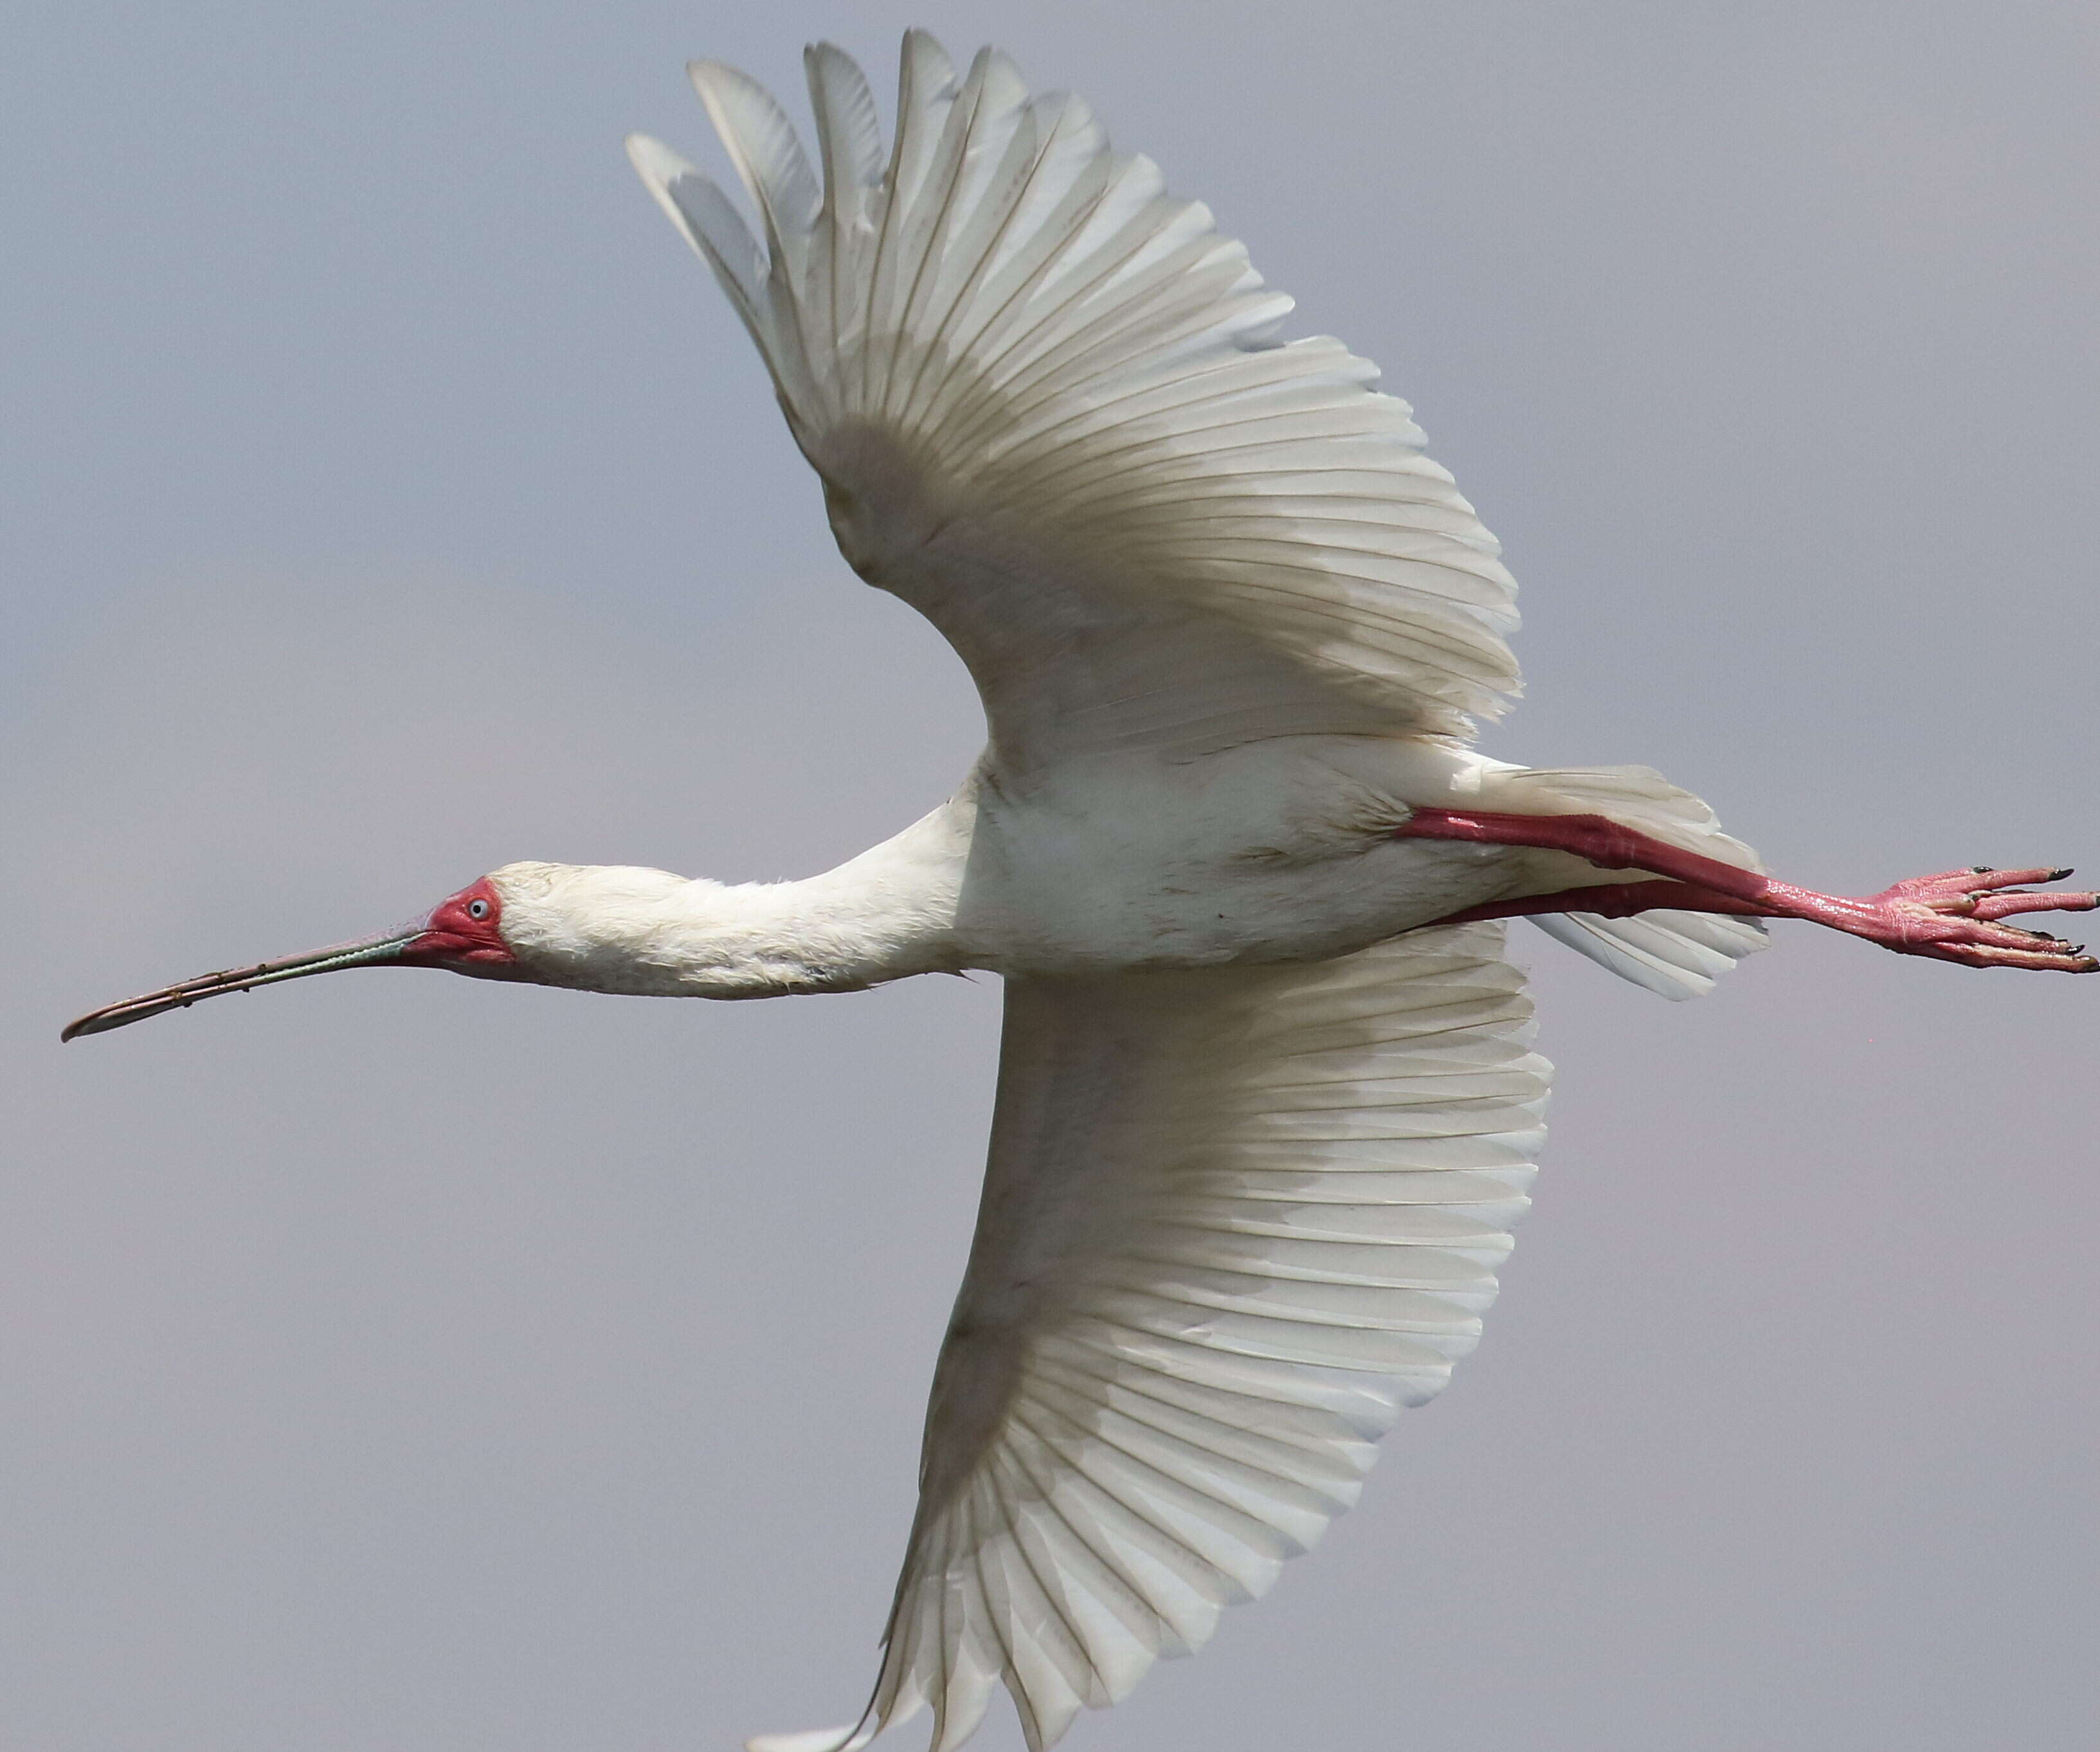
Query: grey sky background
column 406, row 1364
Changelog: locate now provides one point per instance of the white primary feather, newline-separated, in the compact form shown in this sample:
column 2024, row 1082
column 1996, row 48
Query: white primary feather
column 1234, row 1219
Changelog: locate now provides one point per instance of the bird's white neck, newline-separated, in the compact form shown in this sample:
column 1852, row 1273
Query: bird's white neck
column 886, row 914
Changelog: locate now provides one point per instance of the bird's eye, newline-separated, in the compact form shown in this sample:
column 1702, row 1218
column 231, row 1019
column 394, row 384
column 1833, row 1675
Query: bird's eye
column 477, row 909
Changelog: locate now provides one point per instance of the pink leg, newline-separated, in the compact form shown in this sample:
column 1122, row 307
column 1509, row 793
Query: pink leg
column 1950, row 917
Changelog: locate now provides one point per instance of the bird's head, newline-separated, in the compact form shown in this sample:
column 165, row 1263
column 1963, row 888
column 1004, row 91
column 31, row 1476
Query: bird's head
column 463, row 933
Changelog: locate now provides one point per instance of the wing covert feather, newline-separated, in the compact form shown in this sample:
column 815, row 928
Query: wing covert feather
column 1234, row 1221
column 1050, row 410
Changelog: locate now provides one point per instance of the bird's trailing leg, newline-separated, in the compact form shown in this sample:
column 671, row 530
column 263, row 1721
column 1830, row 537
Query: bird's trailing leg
column 1953, row 917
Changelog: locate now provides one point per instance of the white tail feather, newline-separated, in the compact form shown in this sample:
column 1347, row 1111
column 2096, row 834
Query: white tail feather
column 1674, row 954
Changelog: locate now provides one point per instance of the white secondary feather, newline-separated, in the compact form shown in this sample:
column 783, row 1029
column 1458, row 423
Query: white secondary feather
column 1235, row 1220
column 1050, row 412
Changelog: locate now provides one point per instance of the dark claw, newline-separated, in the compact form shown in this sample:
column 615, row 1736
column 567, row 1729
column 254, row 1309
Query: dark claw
column 1979, row 870
column 2058, row 876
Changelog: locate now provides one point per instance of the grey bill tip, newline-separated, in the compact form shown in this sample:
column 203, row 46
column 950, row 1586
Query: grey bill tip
column 370, row 951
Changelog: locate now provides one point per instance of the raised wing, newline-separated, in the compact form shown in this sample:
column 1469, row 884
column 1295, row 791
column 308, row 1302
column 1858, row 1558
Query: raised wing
column 1235, row 1220
column 1050, row 413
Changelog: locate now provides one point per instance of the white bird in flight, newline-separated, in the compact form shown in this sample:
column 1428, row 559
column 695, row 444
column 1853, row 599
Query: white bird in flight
column 1267, row 1103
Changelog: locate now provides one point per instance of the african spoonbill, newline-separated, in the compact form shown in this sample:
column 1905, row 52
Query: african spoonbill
column 1267, row 1105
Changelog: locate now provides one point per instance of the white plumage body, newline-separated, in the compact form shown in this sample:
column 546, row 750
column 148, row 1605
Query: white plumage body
column 1281, row 850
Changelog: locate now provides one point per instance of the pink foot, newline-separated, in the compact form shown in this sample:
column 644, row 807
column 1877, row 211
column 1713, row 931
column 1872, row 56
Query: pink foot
column 1952, row 917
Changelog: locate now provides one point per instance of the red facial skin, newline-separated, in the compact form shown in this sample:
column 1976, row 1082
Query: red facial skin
column 455, row 938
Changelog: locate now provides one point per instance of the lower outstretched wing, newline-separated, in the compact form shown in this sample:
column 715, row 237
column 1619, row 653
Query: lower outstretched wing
column 1234, row 1221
